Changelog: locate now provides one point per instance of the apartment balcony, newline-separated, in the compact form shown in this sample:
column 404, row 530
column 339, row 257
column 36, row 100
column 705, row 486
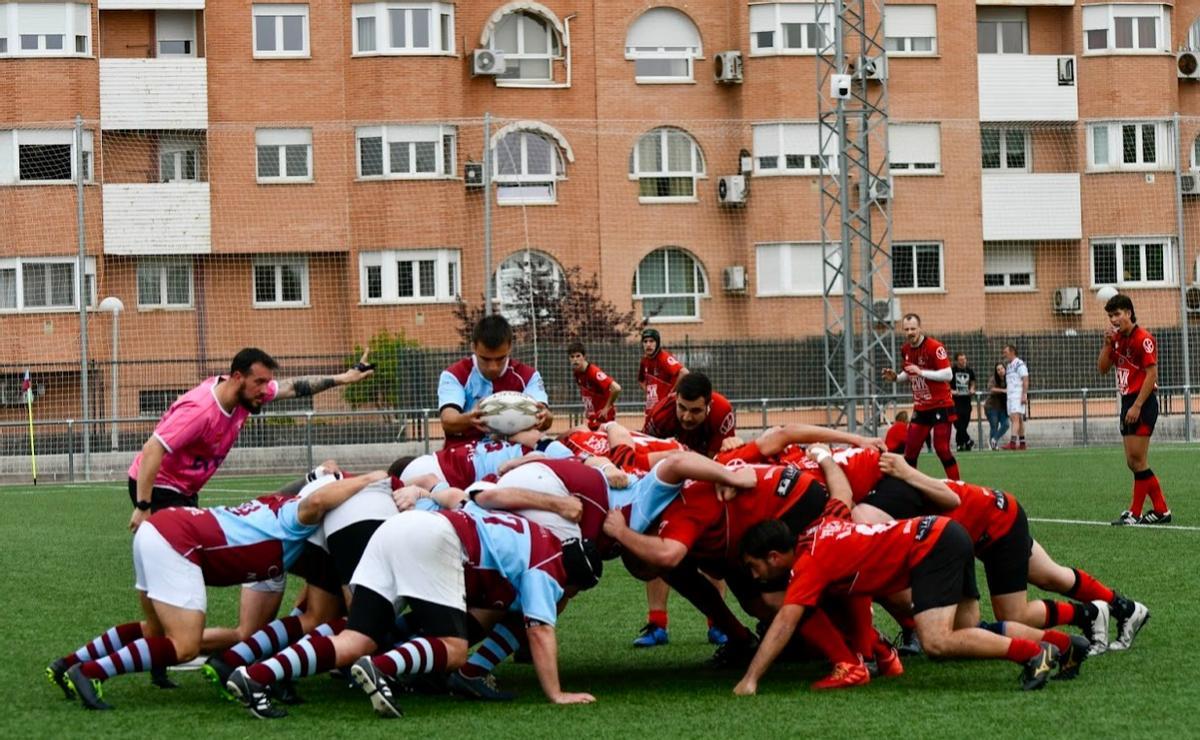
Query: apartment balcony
column 160, row 218
column 1031, row 206
column 1027, row 87
column 162, row 93
column 151, row 5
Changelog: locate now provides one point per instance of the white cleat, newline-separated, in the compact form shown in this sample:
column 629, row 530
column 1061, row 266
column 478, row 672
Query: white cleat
column 1128, row 628
column 1098, row 633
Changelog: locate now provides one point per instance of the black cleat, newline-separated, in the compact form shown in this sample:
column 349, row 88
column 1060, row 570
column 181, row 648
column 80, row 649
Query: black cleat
column 483, row 688
column 1069, row 662
column 56, row 673
column 89, row 690
column 1037, row 669
column 158, row 677
column 218, row 672
column 1155, row 517
column 733, row 654
column 907, row 643
column 378, row 688
column 253, row 695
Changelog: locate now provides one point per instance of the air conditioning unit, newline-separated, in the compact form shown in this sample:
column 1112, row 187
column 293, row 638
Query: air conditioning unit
column 1187, row 64
column 1189, row 184
column 488, row 62
column 735, row 279
column 880, row 189
column 1068, row 300
column 473, row 174
column 731, row 190
column 886, row 312
column 1191, row 299
column 728, row 67
column 1066, row 71
column 871, row 68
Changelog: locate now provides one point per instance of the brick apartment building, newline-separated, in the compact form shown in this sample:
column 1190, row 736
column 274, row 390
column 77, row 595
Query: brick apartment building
column 292, row 174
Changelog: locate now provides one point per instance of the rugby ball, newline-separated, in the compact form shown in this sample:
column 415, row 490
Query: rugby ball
column 509, row 412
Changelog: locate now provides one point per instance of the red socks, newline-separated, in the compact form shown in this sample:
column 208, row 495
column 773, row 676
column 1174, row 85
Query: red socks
column 1089, row 589
column 658, row 618
column 1020, row 650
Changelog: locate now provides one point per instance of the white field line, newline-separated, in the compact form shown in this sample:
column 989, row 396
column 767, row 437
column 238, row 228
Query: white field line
column 1088, row 522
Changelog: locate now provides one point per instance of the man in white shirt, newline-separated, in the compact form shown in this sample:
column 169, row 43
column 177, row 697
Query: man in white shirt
column 1016, row 378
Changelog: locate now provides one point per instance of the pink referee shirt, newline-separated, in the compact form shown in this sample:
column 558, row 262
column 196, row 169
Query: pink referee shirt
column 197, row 433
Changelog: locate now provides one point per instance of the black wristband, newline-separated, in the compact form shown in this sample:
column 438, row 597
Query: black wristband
column 142, row 505
column 363, row 367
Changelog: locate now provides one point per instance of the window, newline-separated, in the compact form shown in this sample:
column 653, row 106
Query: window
column 791, row 149
column 911, row 29
column 175, row 31
column 284, row 154
column 280, row 30
column 404, row 152
column 670, row 283
column 666, row 163
column 1132, row 262
column 663, row 42
column 1007, row 267
column 795, row 269
column 1005, row 149
column 527, row 166
column 1002, row 30
column 523, row 278
column 915, row 148
column 409, row 276
column 177, row 162
column 44, row 156
column 280, row 282
column 1193, row 38
column 917, row 267
column 45, row 29
column 403, row 28
column 44, row 284
column 164, row 283
column 1126, row 29
column 1130, row 145
column 789, row 28
column 530, row 44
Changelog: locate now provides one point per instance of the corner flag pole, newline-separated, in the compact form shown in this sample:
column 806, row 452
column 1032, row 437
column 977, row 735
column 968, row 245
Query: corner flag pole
column 27, row 387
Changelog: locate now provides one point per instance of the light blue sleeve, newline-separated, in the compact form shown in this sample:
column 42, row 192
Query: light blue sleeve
column 536, row 389
column 558, row 451
column 488, row 463
column 538, row 595
column 288, row 517
column 451, row 392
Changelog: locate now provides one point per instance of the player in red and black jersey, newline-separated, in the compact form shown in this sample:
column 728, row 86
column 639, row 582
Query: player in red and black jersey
column 694, row 414
column 659, row 371
column 1134, row 353
column 598, row 389
column 927, row 369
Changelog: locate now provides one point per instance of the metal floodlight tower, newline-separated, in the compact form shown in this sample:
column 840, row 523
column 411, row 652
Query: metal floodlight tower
column 856, row 222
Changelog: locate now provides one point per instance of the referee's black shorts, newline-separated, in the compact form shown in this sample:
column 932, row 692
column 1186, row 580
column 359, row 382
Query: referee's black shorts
column 163, row 498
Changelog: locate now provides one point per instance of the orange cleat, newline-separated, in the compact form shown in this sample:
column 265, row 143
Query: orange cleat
column 844, row 676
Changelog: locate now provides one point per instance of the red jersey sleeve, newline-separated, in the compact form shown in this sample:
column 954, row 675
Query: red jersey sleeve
column 1148, row 349
column 599, row 378
column 938, row 356
column 723, row 422
column 807, row 582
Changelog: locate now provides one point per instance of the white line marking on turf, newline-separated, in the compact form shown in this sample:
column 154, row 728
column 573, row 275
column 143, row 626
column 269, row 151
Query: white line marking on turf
column 1107, row 524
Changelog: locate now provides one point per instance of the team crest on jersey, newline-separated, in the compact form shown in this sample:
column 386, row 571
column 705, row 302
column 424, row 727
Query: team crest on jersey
column 941, row 353
column 728, row 422
column 1148, row 345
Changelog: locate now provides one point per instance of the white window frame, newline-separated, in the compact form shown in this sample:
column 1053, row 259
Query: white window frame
column 696, row 172
column 687, row 53
column 700, row 278
column 441, row 29
column 443, row 137
column 1104, row 18
column 905, row 164
column 278, row 262
column 280, row 139
column 1113, row 133
column 524, row 260
column 1126, row 244
column 1008, row 261
column 447, row 275
column 554, row 50
column 1004, row 134
column 167, row 19
column 10, row 154
column 779, row 140
column 18, row 265
column 913, row 245
column 996, row 17
column 178, row 149
column 776, row 15
column 1195, row 164
column 278, row 11
column 160, row 266
column 900, row 38
column 73, row 27
column 525, row 179
column 791, row 257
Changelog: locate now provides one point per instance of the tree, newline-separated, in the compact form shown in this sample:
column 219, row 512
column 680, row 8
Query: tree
column 383, row 389
column 545, row 307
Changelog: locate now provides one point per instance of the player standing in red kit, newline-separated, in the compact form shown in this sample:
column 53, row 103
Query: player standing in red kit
column 927, row 369
column 1133, row 351
column 597, row 387
column 660, row 371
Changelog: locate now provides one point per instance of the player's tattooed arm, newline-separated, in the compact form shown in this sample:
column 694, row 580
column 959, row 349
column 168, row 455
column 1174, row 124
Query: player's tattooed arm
column 781, row 630
column 311, row 385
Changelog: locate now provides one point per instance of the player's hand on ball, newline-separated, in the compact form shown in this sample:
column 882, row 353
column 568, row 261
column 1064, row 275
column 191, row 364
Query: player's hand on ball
column 566, row 698
column 745, row 688
column 136, row 520
column 475, row 416
column 614, row 522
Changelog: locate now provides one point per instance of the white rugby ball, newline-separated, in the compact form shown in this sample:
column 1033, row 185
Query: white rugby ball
column 509, row 412
column 1105, row 293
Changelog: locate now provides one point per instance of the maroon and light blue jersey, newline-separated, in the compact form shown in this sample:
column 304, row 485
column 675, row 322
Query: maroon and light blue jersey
column 461, row 386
